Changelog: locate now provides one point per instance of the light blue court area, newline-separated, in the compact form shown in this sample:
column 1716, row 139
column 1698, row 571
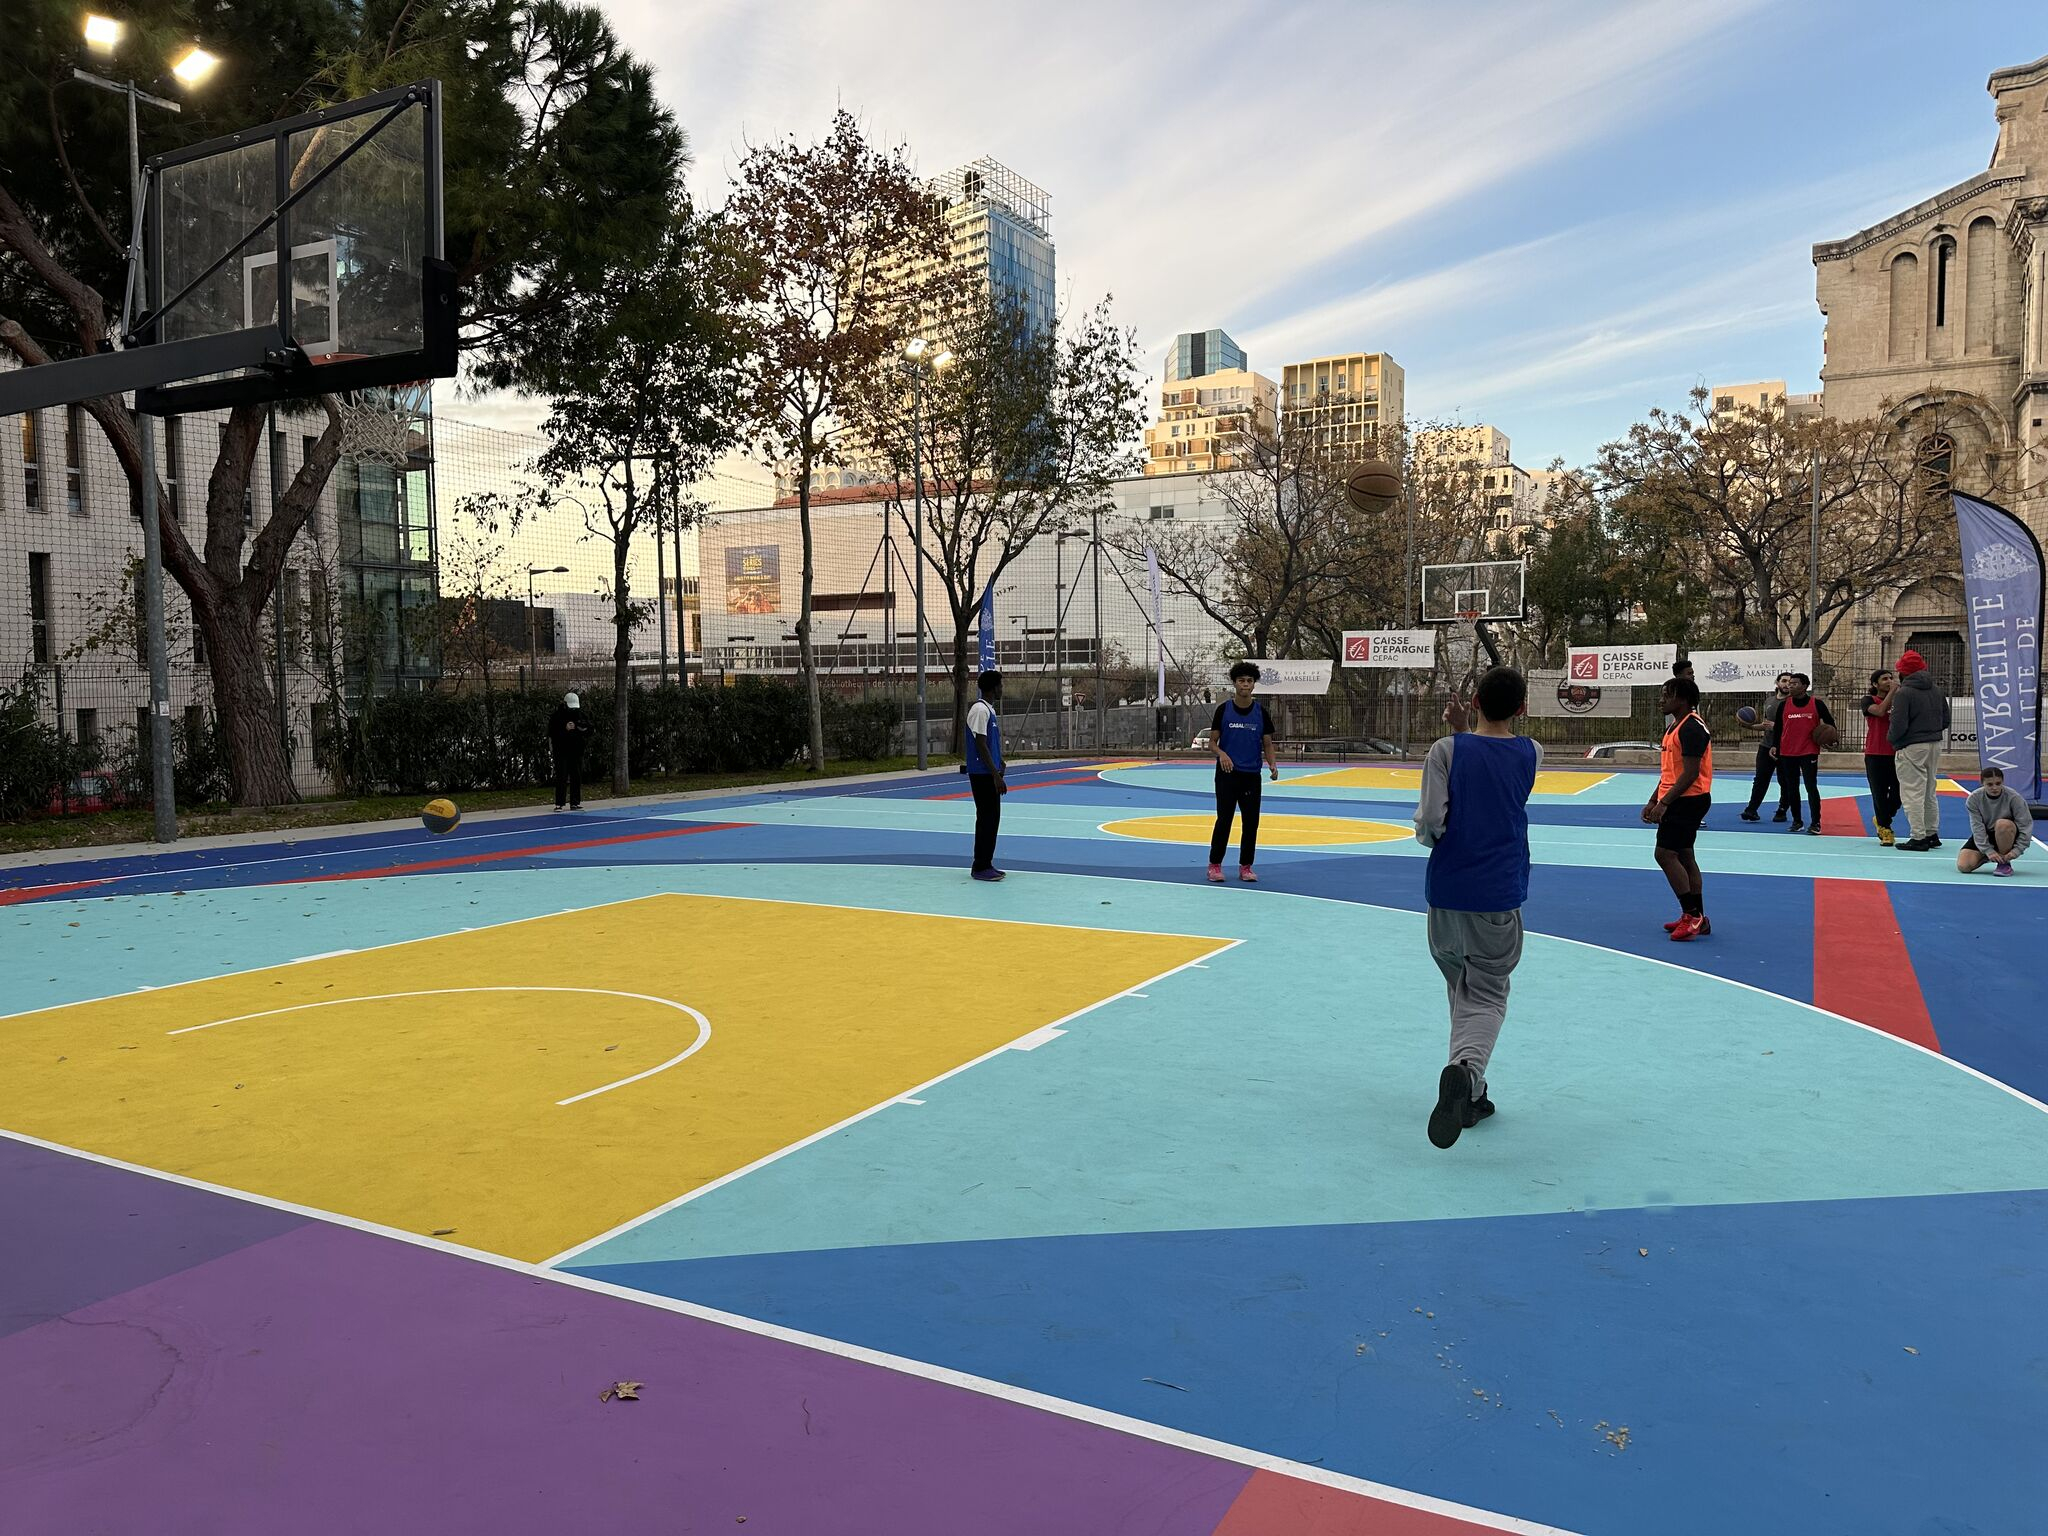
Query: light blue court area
column 1605, row 784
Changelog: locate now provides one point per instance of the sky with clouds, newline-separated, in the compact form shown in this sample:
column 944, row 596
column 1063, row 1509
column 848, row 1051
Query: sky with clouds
column 1553, row 216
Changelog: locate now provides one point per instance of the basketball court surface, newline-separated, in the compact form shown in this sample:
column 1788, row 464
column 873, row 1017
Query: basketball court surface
column 346, row 1179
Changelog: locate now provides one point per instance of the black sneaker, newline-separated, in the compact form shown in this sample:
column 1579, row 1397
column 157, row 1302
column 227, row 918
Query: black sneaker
column 1814, row 830
column 1913, row 845
column 1751, row 816
column 1453, row 1104
column 1934, row 839
column 1781, row 814
column 1798, row 824
column 1479, row 1109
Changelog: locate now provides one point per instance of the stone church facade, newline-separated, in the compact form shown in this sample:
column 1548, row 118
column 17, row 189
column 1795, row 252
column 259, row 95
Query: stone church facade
column 1938, row 318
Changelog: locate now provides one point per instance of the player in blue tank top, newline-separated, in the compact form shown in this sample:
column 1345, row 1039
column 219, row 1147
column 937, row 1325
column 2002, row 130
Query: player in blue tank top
column 1473, row 816
column 1240, row 733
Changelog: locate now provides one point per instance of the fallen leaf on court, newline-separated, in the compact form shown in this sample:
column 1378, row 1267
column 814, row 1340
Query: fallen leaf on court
column 1618, row 1438
column 611, row 1048
column 1479, row 1391
column 624, row 1391
column 1158, row 1383
column 443, row 1232
column 1642, row 1253
column 1910, row 1349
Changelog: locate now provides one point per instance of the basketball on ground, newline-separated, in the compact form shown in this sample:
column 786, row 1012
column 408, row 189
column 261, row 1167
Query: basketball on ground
column 439, row 816
column 1373, row 486
column 1746, row 715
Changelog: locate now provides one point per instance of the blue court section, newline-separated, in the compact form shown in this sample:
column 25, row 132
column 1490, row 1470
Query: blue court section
column 1723, row 1261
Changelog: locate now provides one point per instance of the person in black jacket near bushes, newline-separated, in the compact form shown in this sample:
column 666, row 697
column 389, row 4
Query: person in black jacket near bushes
column 568, row 731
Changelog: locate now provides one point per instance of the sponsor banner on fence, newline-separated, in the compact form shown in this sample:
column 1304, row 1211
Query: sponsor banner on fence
column 1962, row 726
column 2002, row 580
column 1553, row 695
column 1306, row 677
column 1620, row 666
column 1746, row 671
column 1390, row 648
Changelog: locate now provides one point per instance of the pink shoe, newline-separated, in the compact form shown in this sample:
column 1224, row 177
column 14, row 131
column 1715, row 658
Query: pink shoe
column 1215, row 874
column 2004, row 868
column 1244, row 873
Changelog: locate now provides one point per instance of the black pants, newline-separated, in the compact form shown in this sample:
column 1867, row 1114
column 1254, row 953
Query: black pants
column 1882, row 775
column 1791, row 770
column 568, row 776
column 1236, row 791
column 1766, row 771
column 988, row 815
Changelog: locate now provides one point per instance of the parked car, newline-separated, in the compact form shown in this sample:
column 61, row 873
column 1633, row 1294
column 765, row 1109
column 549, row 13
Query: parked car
column 1201, row 741
column 1609, row 748
column 94, row 791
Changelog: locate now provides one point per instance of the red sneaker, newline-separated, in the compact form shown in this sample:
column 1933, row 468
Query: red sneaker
column 1215, row 874
column 1688, row 929
column 1244, row 873
column 1705, row 926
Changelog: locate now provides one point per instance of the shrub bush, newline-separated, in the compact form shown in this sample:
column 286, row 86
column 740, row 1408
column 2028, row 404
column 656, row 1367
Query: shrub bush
column 34, row 760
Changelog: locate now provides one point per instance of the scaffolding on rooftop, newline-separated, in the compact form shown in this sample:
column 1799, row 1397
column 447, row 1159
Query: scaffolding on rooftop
column 991, row 182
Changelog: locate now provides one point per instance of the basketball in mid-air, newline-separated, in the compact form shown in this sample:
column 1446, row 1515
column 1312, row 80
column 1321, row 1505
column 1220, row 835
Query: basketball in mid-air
column 1746, row 715
column 1373, row 486
column 439, row 816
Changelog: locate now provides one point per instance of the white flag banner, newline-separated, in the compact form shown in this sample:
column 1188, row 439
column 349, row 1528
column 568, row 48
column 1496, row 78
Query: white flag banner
column 1304, row 677
column 1412, row 648
column 1620, row 666
column 1554, row 696
column 1746, row 671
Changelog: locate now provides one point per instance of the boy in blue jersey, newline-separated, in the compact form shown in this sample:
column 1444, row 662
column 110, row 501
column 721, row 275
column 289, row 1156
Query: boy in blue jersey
column 1241, row 733
column 1473, row 816
column 984, row 749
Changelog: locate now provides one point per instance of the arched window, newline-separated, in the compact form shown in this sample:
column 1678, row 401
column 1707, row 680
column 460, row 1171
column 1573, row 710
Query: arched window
column 1944, row 275
column 1936, row 457
column 1907, row 306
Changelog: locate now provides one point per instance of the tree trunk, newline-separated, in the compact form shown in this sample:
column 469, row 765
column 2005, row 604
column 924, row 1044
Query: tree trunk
column 622, row 670
column 246, row 708
column 806, row 654
column 963, row 683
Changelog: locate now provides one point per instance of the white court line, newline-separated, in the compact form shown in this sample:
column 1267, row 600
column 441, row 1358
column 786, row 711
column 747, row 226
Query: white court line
column 279, row 965
column 1225, row 945
column 1141, row 1429
column 1047, row 1035
column 703, row 1024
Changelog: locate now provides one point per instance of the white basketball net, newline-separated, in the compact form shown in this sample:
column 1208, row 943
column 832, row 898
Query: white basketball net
column 376, row 433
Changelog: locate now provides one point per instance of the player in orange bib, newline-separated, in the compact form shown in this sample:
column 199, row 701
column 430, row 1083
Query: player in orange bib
column 1684, row 792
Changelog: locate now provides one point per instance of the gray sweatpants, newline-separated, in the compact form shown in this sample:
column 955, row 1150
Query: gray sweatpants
column 1477, row 952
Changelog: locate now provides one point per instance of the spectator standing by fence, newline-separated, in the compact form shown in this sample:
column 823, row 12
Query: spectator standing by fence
column 1880, row 769
column 1804, row 725
column 1919, row 729
column 568, row 732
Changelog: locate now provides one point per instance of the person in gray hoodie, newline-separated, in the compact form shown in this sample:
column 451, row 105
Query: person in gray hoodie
column 2001, row 826
column 1919, row 731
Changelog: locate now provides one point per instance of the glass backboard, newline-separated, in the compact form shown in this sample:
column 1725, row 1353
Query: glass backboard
column 1478, row 589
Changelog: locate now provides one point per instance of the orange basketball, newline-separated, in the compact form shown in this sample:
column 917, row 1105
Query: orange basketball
column 1373, row 486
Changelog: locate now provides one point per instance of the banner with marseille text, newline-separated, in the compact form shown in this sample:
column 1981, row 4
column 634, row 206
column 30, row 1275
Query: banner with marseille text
column 988, row 626
column 1158, row 634
column 2002, row 589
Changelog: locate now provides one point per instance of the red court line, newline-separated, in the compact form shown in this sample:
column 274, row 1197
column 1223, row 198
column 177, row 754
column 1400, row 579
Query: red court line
column 962, row 794
column 1861, row 969
column 1271, row 1504
column 425, row 865
column 1843, row 818
column 38, row 892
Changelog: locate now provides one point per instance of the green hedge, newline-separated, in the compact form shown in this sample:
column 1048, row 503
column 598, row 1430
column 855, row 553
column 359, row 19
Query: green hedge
column 415, row 742
column 35, row 761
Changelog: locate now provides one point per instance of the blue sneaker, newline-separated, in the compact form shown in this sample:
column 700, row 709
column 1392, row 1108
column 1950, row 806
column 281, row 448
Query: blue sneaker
column 988, row 874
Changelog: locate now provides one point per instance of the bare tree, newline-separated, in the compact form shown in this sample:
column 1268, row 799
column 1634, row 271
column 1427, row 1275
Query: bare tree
column 835, row 232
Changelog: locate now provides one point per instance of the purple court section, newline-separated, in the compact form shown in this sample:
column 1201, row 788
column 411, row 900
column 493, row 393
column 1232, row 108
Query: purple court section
column 73, row 1232
column 325, row 1380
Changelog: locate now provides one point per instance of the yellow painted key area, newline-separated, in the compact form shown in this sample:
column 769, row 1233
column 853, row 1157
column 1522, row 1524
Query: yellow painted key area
column 419, row 1085
column 1275, row 830
column 1559, row 781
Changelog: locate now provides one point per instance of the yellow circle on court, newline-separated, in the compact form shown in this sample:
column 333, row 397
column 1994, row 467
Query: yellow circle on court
column 1274, row 831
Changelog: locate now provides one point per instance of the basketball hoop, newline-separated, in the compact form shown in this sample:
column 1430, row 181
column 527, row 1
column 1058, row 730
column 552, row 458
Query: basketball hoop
column 380, row 433
column 1468, row 615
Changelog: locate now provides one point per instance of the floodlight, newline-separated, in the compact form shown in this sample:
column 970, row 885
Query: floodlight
column 194, row 65
column 942, row 360
column 915, row 348
column 103, row 32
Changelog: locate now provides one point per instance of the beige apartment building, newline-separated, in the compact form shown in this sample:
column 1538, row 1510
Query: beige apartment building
column 1763, row 395
column 1513, row 498
column 1202, row 421
column 1344, row 401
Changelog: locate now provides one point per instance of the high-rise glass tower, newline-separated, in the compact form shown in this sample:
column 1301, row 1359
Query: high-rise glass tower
column 1198, row 352
column 1001, row 226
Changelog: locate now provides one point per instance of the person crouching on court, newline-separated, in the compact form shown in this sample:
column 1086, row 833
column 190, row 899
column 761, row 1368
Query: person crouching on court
column 1473, row 817
column 1242, row 731
column 1684, row 794
column 984, row 750
column 2001, row 826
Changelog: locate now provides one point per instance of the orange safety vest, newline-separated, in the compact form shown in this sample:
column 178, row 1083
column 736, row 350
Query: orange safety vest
column 1674, row 760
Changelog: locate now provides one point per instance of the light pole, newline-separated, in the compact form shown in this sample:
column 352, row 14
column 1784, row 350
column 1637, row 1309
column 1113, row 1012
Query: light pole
column 915, row 351
column 1059, row 624
column 193, row 66
column 532, row 645
column 1095, row 555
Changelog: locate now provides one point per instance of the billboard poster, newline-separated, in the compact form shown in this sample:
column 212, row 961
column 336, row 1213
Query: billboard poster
column 1747, row 671
column 1554, row 696
column 1410, row 648
column 1302, row 677
column 1620, row 666
column 2002, row 584
column 753, row 578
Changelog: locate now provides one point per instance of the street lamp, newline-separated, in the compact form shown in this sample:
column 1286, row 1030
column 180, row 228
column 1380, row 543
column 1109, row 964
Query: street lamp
column 532, row 645
column 103, row 34
column 915, row 350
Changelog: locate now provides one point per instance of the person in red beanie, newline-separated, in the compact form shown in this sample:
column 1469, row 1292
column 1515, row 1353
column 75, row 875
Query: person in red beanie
column 1919, row 729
